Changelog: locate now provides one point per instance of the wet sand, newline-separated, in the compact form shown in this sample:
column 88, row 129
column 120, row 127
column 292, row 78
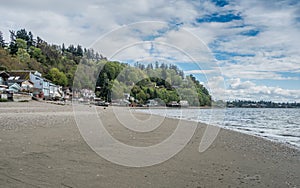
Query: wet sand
column 41, row 146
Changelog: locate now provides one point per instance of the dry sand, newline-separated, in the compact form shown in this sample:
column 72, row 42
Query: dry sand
column 41, row 146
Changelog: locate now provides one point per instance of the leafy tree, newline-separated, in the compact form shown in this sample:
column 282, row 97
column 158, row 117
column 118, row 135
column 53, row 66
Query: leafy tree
column 57, row 77
column 23, row 55
column 141, row 96
column 164, row 74
column 37, row 54
column 21, row 43
column 22, row 52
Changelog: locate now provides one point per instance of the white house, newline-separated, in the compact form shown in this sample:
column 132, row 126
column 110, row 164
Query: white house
column 55, row 91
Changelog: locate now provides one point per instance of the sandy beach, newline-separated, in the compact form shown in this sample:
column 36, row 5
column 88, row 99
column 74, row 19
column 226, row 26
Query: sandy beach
column 41, row 146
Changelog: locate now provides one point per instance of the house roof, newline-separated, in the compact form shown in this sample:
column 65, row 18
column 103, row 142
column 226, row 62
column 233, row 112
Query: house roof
column 28, row 81
column 15, row 86
column 20, row 81
column 22, row 75
column 4, row 74
column 3, row 86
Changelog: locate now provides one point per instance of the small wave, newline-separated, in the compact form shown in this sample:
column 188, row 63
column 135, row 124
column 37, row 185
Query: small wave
column 245, row 129
column 292, row 122
column 231, row 125
column 288, row 135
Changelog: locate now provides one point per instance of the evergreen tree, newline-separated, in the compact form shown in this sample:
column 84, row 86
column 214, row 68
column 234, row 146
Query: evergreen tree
column 2, row 41
column 13, row 47
column 63, row 48
column 22, row 34
column 79, row 51
column 97, row 57
column 156, row 65
column 30, row 41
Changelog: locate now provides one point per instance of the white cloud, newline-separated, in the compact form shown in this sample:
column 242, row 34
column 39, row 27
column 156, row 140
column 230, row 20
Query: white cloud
column 89, row 19
column 247, row 90
column 211, row 71
column 275, row 46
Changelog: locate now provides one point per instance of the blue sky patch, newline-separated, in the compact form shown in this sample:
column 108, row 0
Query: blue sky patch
column 288, row 84
column 220, row 3
column 223, row 18
column 222, row 55
column 250, row 33
column 290, row 74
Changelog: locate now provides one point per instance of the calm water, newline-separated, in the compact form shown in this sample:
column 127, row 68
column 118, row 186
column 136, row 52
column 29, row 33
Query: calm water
column 282, row 125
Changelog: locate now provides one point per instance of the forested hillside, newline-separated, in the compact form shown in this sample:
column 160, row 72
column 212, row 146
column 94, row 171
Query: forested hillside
column 165, row 82
column 55, row 62
column 109, row 79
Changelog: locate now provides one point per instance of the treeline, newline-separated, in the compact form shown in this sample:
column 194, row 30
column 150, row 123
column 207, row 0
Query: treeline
column 160, row 81
column 260, row 104
column 55, row 62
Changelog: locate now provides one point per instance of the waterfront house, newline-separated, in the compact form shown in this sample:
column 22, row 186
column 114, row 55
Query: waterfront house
column 55, row 91
column 26, row 85
column 126, row 96
column 34, row 77
column 151, row 102
column 4, row 94
column 46, row 88
column 184, row 103
column 173, row 104
column 15, row 88
column 41, row 83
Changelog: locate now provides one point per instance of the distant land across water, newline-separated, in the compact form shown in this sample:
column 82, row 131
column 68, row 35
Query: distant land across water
column 258, row 104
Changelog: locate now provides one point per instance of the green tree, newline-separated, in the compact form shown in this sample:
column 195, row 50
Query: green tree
column 37, row 54
column 117, row 90
column 22, row 52
column 57, row 77
column 164, row 74
column 21, row 43
column 141, row 96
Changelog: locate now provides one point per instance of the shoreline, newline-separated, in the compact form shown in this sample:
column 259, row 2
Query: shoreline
column 295, row 146
column 54, row 154
column 285, row 144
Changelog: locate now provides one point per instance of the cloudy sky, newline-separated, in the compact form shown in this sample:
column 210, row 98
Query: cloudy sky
column 240, row 49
